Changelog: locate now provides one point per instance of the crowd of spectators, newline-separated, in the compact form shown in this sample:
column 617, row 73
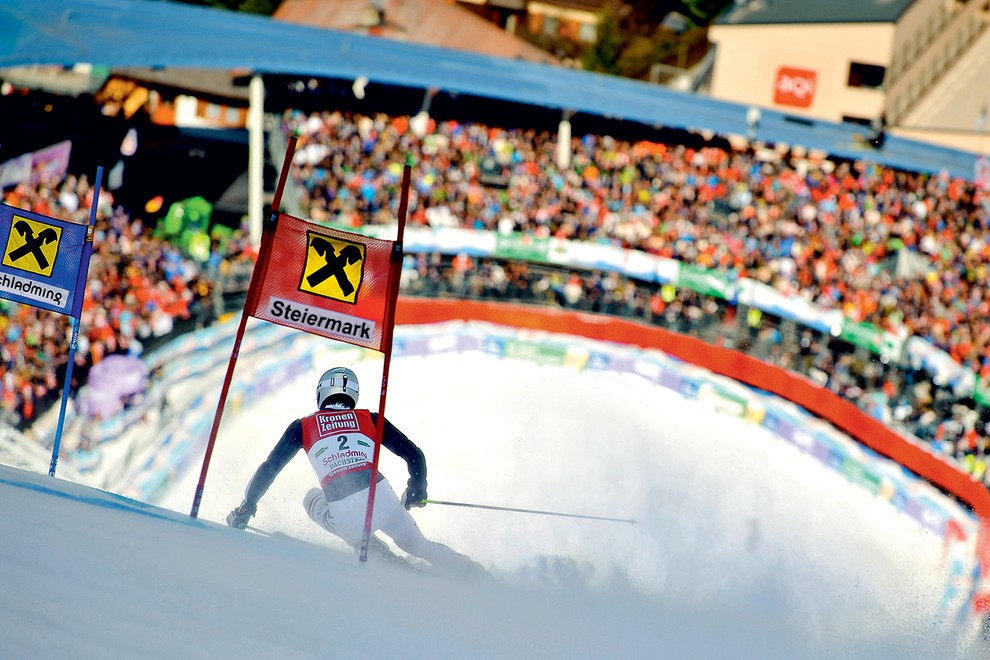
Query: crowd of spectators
column 822, row 230
column 899, row 396
column 139, row 289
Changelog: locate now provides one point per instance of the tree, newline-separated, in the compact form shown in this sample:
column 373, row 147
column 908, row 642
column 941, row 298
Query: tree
column 649, row 13
column 264, row 7
column 603, row 56
column 703, row 12
column 631, row 35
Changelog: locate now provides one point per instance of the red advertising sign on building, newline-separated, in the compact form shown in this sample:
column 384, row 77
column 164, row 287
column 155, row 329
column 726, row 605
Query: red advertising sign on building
column 794, row 87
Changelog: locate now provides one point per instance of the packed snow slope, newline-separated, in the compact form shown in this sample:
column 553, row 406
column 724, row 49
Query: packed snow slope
column 743, row 547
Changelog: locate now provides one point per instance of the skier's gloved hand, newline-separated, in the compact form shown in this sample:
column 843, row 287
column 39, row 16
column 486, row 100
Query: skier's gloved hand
column 415, row 495
column 240, row 516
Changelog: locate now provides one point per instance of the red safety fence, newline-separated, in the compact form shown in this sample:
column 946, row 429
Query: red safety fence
column 819, row 401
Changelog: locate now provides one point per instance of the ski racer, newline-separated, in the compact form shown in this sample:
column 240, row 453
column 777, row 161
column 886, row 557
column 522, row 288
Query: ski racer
column 339, row 441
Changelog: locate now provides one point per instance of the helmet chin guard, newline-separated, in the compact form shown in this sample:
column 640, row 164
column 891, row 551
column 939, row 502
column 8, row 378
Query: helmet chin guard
column 338, row 381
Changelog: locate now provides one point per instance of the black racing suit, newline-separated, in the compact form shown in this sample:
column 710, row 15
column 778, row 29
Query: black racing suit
column 336, row 489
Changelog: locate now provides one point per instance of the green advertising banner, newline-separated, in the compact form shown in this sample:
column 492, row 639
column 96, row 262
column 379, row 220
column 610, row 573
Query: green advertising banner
column 543, row 354
column 522, row 246
column 704, row 281
column 860, row 475
column 981, row 394
column 870, row 337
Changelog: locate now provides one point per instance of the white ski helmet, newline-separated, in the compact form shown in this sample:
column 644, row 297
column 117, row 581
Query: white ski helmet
column 339, row 380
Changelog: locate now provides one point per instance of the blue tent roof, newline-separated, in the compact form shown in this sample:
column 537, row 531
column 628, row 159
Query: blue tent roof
column 167, row 34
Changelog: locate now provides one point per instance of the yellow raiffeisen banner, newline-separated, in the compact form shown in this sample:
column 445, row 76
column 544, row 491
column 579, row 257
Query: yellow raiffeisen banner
column 41, row 259
column 325, row 281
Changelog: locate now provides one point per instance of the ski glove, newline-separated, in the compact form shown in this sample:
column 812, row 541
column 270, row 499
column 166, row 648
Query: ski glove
column 239, row 517
column 415, row 495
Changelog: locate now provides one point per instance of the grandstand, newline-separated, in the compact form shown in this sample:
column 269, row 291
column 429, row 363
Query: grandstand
column 464, row 86
column 307, row 70
column 161, row 34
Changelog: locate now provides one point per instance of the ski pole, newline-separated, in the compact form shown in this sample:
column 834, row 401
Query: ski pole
column 544, row 513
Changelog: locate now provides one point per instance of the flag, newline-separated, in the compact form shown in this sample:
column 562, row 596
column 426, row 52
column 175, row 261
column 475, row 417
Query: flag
column 45, row 263
column 324, row 281
column 41, row 261
column 332, row 283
